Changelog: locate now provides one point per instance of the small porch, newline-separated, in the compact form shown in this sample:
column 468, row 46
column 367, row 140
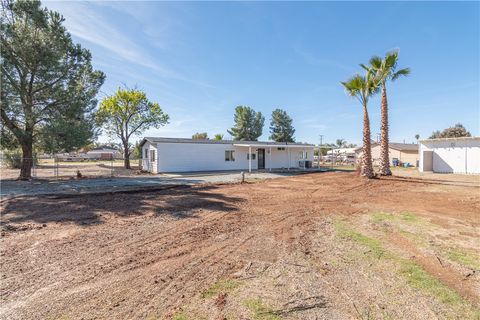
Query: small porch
column 279, row 156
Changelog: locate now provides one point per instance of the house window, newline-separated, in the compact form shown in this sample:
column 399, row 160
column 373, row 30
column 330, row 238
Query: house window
column 281, row 149
column 146, row 154
column 303, row 154
column 254, row 155
column 152, row 155
column 229, row 155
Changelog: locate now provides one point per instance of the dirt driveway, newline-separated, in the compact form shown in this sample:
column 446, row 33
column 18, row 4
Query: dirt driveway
column 317, row 246
column 15, row 188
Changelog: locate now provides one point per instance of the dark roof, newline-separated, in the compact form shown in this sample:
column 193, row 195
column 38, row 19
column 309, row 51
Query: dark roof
column 186, row 140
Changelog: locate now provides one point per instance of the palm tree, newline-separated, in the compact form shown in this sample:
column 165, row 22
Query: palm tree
column 362, row 88
column 417, row 136
column 218, row 136
column 386, row 70
column 340, row 143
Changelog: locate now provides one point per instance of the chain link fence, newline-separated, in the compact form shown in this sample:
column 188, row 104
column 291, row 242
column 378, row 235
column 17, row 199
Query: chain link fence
column 333, row 160
column 71, row 167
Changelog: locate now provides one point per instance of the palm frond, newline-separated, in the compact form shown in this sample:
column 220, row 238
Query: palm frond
column 364, row 66
column 391, row 60
column 376, row 62
column 402, row 72
column 353, row 85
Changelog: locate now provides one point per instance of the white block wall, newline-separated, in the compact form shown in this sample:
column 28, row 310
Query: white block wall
column 185, row 157
column 453, row 155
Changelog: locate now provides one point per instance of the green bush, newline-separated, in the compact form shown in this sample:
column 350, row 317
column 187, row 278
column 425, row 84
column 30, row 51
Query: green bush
column 12, row 159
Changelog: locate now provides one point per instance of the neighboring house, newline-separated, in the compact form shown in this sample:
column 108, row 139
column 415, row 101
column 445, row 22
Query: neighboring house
column 104, row 153
column 450, row 155
column 184, row 155
column 399, row 153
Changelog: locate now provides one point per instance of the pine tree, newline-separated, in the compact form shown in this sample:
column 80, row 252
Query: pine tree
column 248, row 124
column 281, row 128
column 48, row 84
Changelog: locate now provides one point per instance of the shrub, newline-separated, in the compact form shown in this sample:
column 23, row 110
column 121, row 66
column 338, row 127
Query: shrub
column 12, row 159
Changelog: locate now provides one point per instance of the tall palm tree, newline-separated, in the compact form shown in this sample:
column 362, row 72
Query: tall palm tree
column 341, row 143
column 362, row 88
column 385, row 70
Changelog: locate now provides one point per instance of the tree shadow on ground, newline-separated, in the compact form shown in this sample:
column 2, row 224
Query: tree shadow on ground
column 178, row 202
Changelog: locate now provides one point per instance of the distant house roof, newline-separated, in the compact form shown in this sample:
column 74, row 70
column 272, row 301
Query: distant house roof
column 404, row 146
column 208, row 141
column 396, row 146
column 103, row 149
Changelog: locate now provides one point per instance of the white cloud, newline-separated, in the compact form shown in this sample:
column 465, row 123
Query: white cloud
column 311, row 59
column 84, row 21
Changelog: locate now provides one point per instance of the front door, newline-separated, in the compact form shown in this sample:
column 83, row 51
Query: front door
column 261, row 158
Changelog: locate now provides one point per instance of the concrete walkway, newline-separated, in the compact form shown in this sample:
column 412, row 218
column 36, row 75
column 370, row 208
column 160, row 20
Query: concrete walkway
column 12, row 189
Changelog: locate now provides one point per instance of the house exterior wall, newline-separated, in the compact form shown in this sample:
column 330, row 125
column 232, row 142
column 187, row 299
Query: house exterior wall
column 410, row 157
column 452, row 155
column 184, row 157
column 147, row 163
column 404, row 156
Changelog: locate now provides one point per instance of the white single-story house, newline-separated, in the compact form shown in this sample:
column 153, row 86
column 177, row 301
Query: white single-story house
column 185, row 155
column 450, row 155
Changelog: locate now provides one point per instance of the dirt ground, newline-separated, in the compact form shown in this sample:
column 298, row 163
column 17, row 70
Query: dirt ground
column 316, row 246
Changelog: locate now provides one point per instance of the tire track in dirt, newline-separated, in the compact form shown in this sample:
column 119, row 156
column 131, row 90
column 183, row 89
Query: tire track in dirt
column 434, row 267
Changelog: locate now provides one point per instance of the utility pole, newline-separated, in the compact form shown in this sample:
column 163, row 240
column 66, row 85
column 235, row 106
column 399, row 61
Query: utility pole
column 320, row 151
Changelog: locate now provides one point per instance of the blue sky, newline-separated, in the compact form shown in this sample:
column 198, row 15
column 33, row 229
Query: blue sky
column 200, row 60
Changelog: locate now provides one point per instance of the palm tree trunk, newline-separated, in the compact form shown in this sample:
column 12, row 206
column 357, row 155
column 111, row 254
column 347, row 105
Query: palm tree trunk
column 384, row 150
column 367, row 167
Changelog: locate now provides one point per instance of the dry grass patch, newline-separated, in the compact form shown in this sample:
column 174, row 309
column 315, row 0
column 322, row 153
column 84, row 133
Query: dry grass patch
column 221, row 286
column 415, row 275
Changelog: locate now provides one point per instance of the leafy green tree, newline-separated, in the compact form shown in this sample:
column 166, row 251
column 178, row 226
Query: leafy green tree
column 128, row 113
column 248, row 124
column 281, row 128
column 218, row 136
column 67, row 135
column 457, row 131
column 386, row 70
column 200, row 136
column 48, row 85
column 362, row 88
column 137, row 150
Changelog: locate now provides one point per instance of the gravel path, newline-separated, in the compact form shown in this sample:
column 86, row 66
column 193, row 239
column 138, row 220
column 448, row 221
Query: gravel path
column 12, row 188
